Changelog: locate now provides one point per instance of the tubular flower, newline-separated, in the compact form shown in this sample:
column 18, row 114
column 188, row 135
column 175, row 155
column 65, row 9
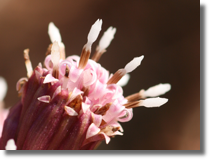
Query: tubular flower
column 73, row 103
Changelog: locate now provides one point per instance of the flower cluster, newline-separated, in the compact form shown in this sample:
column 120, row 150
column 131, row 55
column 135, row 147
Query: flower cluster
column 73, row 102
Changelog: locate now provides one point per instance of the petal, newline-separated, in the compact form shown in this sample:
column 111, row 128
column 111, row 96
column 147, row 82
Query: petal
column 70, row 111
column 97, row 119
column 92, row 131
column 45, row 99
column 107, row 138
column 75, row 73
column 85, row 107
column 11, row 145
column 49, row 78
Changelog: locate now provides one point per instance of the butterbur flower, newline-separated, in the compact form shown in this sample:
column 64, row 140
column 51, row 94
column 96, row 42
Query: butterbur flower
column 74, row 103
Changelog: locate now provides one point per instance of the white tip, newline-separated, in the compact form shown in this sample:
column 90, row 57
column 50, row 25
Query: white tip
column 156, row 90
column 54, row 33
column 11, row 145
column 153, row 102
column 55, row 53
column 133, row 64
column 94, row 31
column 3, row 88
column 107, row 38
column 124, row 80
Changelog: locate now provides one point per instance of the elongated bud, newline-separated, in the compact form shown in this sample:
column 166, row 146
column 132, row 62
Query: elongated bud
column 54, row 33
column 153, row 102
column 106, row 38
column 133, row 64
column 156, row 90
column 93, row 34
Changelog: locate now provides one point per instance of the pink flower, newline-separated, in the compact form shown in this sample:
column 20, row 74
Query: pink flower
column 73, row 102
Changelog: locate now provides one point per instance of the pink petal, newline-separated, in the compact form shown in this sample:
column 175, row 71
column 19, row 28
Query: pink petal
column 70, row 111
column 74, row 94
column 89, row 77
column 85, row 107
column 97, row 119
column 107, row 138
column 113, row 112
column 49, row 78
column 92, row 131
column 45, row 99
column 126, row 115
column 75, row 73
column 57, row 91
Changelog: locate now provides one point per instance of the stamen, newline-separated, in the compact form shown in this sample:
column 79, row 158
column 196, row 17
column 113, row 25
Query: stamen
column 128, row 68
column 54, row 33
column 156, row 90
column 84, row 58
column 86, row 91
column 149, row 102
column 104, row 43
column 117, row 76
column 134, row 97
column 55, row 58
column 133, row 64
column 153, row 102
column 28, row 64
column 92, row 36
column 132, row 104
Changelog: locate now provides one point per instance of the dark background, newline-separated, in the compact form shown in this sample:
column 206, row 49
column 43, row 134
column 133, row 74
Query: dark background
column 166, row 32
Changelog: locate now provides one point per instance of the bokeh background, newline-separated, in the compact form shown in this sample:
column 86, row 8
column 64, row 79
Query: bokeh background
column 166, row 32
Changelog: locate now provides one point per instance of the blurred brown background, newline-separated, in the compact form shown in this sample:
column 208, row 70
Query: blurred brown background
column 166, row 32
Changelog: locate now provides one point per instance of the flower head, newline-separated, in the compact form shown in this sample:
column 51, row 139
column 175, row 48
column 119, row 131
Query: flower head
column 73, row 102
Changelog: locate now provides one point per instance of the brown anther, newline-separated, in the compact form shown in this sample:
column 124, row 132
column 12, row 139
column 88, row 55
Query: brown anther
column 132, row 104
column 134, row 97
column 102, row 111
column 84, row 58
column 67, row 71
column 55, row 73
column 97, row 55
column 86, row 91
column 115, row 129
column 27, row 62
column 48, row 52
column 117, row 76
column 76, row 103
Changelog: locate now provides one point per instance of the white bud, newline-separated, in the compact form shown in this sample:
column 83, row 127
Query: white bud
column 153, row 102
column 156, row 90
column 11, row 145
column 55, row 53
column 54, row 33
column 133, row 64
column 94, row 31
column 107, row 38
column 3, row 88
